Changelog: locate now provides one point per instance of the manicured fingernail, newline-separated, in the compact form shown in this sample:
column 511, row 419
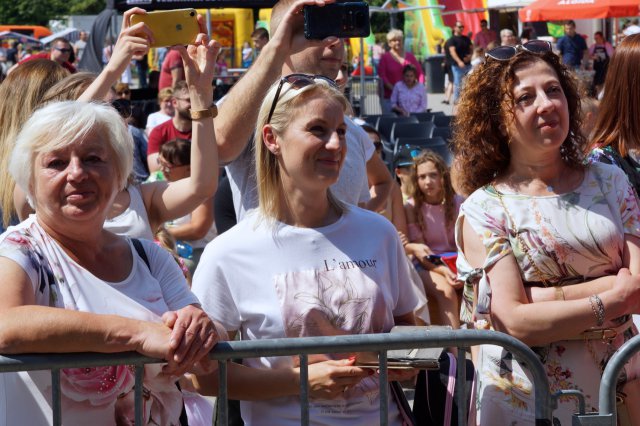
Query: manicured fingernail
column 352, row 358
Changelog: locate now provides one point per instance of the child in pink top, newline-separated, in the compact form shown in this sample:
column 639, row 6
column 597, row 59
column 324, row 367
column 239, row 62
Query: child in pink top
column 431, row 215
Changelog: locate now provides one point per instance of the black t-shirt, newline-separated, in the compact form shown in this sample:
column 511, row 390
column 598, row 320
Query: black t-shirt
column 462, row 44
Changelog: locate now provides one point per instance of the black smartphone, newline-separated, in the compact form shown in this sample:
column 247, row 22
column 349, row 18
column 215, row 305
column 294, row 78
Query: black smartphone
column 343, row 20
column 435, row 259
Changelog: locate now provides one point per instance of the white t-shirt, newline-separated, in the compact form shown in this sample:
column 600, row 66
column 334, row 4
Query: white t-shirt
column 352, row 186
column 271, row 280
column 155, row 119
column 134, row 221
column 58, row 281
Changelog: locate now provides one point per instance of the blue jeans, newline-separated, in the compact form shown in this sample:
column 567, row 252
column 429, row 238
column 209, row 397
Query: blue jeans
column 458, row 75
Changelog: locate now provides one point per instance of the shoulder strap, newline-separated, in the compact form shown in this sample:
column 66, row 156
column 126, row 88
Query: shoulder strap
column 140, row 250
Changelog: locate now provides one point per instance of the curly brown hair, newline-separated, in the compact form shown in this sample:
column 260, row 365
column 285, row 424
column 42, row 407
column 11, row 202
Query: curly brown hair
column 418, row 196
column 480, row 140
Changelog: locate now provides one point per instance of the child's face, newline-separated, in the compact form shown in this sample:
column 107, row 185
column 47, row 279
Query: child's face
column 430, row 182
column 409, row 78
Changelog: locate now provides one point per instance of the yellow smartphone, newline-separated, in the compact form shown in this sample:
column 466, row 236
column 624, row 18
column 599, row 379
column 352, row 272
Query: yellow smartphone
column 170, row 27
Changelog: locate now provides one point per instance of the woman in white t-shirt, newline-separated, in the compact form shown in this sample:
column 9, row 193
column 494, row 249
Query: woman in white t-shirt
column 68, row 285
column 164, row 114
column 305, row 264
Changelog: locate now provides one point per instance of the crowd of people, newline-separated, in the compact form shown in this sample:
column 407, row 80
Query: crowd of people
column 113, row 242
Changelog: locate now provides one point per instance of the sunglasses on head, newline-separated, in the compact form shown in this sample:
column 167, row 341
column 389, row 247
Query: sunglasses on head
column 296, row 81
column 504, row 53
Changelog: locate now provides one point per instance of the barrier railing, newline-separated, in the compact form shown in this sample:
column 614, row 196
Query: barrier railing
column 380, row 343
column 607, row 415
column 366, row 94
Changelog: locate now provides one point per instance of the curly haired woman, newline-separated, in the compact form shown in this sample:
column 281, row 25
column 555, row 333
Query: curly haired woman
column 547, row 246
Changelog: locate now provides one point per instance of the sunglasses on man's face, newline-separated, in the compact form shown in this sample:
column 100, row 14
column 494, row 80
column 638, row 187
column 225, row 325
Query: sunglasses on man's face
column 504, row 53
column 296, row 81
column 123, row 92
column 63, row 50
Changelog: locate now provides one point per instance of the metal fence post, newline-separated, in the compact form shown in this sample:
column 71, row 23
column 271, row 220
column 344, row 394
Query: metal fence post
column 304, row 390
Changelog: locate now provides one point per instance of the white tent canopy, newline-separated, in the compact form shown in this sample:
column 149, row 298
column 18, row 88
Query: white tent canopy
column 71, row 34
column 507, row 4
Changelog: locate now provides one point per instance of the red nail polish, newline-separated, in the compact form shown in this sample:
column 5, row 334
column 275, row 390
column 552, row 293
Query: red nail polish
column 352, row 358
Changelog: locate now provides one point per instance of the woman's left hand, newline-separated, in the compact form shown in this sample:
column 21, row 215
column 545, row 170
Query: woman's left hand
column 199, row 68
column 448, row 274
column 193, row 335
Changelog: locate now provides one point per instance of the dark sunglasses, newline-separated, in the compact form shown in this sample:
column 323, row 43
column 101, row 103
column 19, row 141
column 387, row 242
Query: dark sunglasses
column 63, row 50
column 296, row 81
column 123, row 92
column 504, row 53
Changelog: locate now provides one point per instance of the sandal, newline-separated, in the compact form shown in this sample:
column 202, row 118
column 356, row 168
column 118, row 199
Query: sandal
column 446, row 102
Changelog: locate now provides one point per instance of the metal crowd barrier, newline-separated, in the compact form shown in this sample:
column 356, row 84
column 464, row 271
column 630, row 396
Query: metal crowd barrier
column 366, row 93
column 606, row 415
column 225, row 351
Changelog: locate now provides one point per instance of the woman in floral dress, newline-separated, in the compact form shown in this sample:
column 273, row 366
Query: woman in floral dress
column 549, row 248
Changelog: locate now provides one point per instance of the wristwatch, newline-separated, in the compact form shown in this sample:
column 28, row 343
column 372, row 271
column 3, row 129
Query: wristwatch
column 210, row 112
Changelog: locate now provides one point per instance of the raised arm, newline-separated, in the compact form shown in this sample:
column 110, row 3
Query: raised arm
column 239, row 111
column 132, row 41
column 163, row 200
column 199, row 225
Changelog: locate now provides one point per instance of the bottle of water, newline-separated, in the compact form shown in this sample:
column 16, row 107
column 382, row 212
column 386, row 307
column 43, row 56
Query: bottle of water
column 184, row 249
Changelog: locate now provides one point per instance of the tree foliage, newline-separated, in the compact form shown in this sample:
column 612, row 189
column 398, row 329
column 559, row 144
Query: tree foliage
column 39, row 12
column 381, row 22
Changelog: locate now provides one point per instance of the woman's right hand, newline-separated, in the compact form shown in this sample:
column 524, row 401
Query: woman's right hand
column 422, row 252
column 133, row 40
column 153, row 340
column 330, row 379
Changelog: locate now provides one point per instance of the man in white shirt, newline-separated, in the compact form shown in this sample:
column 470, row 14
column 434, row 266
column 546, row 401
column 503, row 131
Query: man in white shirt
column 289, row 52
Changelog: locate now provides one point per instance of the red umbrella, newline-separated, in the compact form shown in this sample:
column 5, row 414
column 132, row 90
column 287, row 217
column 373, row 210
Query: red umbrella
column 558, row 10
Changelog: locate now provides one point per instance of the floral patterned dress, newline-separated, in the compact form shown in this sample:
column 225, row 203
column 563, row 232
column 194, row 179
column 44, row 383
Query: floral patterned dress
column 571, row 237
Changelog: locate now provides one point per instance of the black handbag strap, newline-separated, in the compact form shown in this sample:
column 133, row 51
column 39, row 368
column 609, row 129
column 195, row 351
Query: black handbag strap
column 140, row 250
column 143, row 255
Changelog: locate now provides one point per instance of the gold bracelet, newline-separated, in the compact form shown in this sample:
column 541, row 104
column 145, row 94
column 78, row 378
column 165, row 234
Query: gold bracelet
column 210, row 112
column 560, row 293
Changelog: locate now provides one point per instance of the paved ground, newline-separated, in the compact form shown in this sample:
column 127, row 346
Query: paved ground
column 434, row 102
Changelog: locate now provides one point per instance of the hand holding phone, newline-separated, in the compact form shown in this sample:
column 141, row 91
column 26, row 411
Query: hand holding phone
column 170, row 27
column 342, row 20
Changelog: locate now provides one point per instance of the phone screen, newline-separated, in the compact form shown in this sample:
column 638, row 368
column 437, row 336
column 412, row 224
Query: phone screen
column 342, row 20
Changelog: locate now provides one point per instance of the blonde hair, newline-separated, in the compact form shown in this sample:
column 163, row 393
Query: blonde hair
column 69, row 88
column 270, row 191
column 164, row 94
column 395, row 34
column 21, row 93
